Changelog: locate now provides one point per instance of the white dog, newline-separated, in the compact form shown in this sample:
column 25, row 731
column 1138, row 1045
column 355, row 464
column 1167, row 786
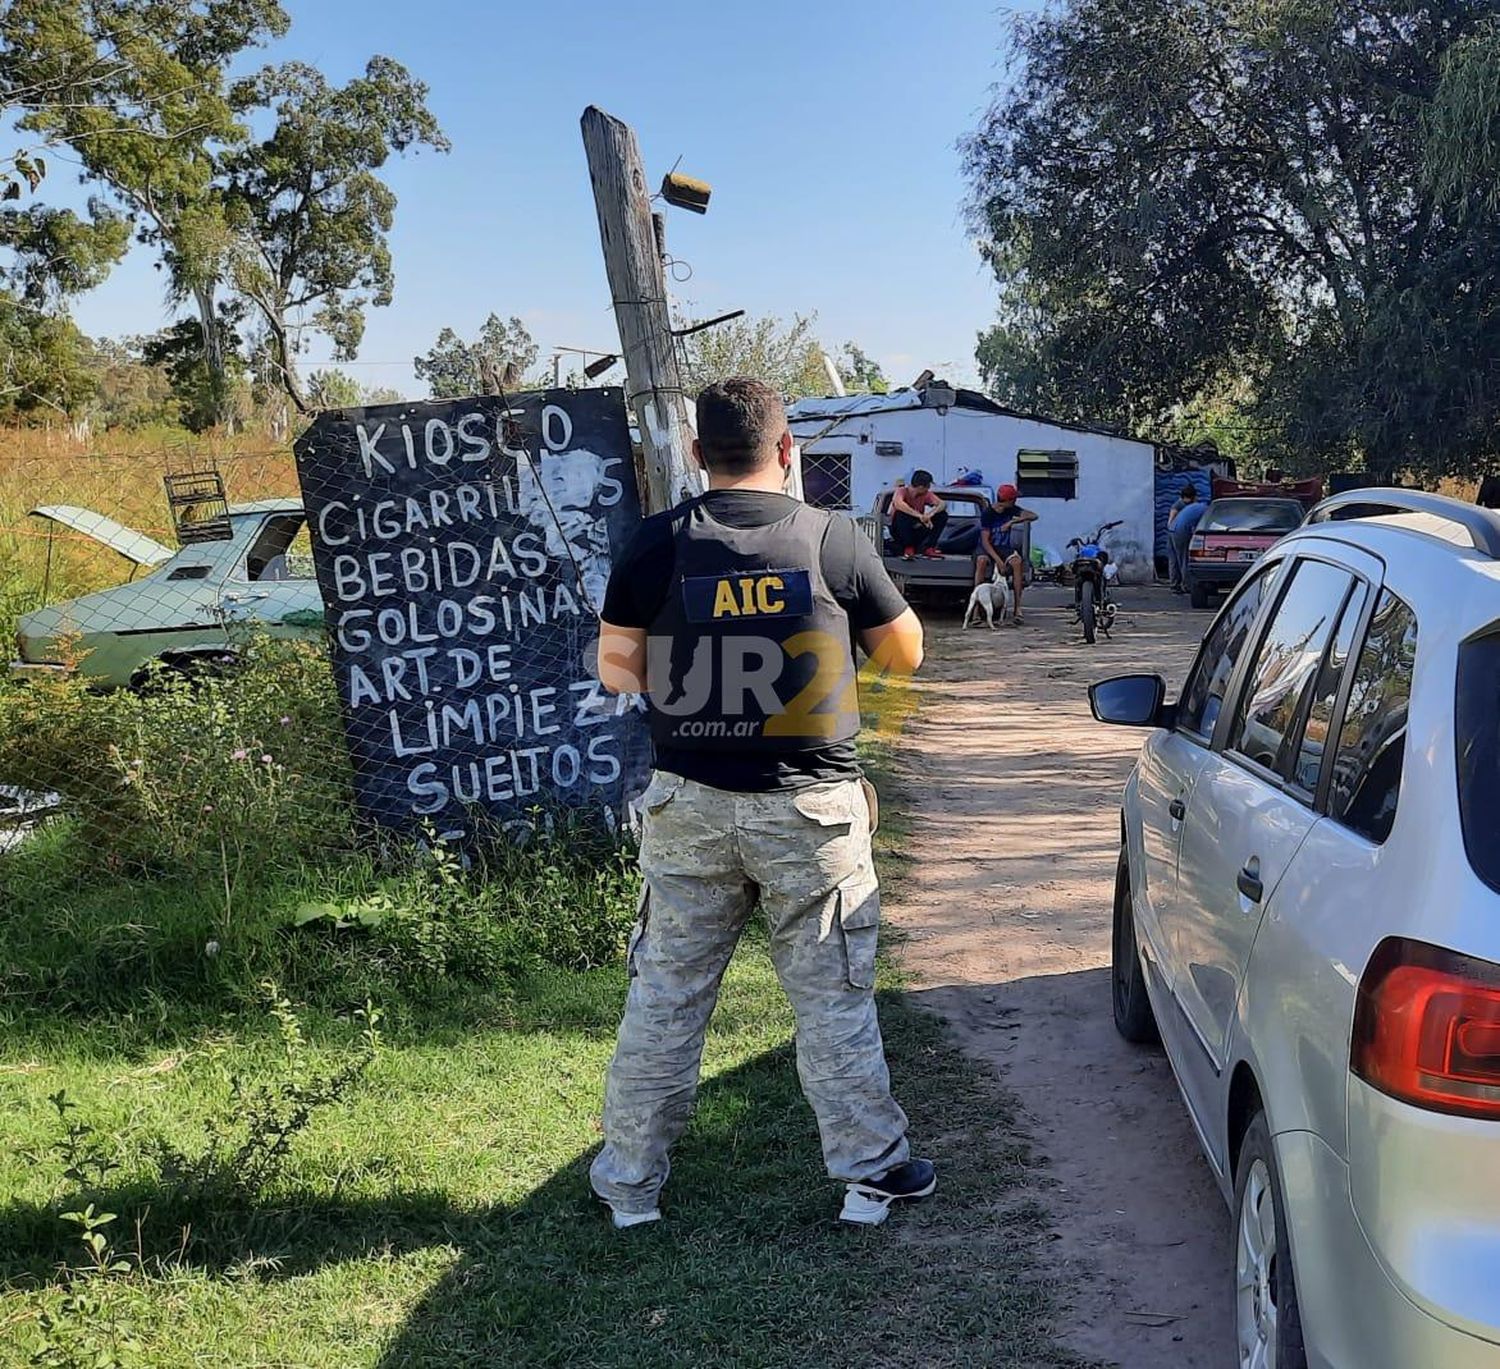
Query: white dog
column 995, row 596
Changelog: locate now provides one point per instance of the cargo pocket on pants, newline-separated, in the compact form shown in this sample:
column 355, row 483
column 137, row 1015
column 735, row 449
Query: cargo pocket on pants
column 859, row 927
column 661, row 791
column 828, row 805
column 642, row 915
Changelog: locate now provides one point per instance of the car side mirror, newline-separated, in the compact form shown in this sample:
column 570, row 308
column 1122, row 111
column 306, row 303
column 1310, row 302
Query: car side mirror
column 1132, row 701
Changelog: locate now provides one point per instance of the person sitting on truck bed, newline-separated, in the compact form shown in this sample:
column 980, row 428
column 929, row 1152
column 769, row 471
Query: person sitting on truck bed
column 996, row 546
column 918, row 517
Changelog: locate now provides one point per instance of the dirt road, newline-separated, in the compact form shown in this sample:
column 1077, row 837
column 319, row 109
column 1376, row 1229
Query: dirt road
column 1015, row 828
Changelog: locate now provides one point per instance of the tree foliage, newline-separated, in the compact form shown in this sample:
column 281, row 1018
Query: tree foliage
column 131, row 393
column 295, row 221
column 310, row 215
column 860, row 372
column 44, row 363
column 786, row 355
column 47, row 64
column 203, row 397
column 453, row 368
column 331, row 388
column 54, row 253
column 149, row 122
column 1462, row 130
column 1294, row 197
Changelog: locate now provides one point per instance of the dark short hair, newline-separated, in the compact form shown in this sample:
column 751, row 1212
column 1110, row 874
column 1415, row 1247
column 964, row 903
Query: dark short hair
column 920, row 478
column 740, row 421
column 1191, row 491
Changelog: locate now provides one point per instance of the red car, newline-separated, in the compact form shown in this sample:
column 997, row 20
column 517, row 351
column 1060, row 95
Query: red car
column 1231, row 537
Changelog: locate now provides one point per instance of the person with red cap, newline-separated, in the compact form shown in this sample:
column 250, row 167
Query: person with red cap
column 996, row 546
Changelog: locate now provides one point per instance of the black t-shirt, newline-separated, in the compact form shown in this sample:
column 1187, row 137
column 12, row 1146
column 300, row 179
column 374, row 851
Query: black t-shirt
column 852, row 568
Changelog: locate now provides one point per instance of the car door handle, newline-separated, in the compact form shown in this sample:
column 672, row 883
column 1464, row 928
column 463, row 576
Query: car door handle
column 1178, row 809
column 1250, row 885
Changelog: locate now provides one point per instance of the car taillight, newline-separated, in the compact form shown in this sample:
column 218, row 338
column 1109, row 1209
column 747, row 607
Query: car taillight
column 1427, row 1029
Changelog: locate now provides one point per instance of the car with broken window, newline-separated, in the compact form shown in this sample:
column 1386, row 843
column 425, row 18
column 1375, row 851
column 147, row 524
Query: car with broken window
column 183, row 610
column 1307, row 917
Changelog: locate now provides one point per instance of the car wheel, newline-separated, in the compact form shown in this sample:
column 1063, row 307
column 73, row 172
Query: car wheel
column 1268, row 1321
column 1198, row 595
column 183, row 668
column 1134, row 1019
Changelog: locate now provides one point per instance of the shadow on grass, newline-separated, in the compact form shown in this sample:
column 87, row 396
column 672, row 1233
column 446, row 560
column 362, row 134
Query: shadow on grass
column 748, row 1267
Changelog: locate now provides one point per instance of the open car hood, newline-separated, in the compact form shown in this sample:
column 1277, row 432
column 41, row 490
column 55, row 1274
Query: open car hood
column 134, row 546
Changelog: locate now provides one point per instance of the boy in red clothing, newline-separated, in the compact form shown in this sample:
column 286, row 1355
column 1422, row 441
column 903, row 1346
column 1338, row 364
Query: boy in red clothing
column 918, row 518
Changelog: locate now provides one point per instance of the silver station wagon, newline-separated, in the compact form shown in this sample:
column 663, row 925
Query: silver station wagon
column 1308, row 914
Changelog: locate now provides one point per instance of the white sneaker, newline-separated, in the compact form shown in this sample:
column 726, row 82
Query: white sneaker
column 868, row 1203
column 625, row 1220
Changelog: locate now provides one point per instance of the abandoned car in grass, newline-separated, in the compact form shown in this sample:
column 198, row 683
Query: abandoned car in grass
column 184, row 610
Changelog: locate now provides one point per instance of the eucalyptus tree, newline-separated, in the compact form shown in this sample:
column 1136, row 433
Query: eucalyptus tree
column 309, row 214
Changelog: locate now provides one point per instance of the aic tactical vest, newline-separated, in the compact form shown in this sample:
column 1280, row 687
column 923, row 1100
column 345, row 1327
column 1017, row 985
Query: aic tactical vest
column 750, row 651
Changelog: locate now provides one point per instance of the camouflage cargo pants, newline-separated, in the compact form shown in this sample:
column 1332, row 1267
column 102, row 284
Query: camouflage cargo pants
column 708, row 856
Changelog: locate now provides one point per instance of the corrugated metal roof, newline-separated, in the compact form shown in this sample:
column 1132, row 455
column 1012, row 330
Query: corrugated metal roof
column 807, row 411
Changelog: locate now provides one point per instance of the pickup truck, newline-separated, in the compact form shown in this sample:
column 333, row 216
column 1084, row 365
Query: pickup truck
column 959, row 542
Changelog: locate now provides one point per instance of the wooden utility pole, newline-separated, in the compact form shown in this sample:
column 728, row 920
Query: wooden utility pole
column 638, row 286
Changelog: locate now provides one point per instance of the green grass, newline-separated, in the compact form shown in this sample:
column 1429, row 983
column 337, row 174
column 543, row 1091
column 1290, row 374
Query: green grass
column 439, row 1214
column 442, row 1215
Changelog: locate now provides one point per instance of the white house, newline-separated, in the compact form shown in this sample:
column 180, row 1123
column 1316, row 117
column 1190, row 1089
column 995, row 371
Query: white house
column 1075, row 477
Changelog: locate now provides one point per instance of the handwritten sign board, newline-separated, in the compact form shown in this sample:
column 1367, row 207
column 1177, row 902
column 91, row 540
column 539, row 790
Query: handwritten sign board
column 462, row 548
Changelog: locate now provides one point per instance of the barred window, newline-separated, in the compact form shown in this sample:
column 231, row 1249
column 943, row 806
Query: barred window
column 826, row 480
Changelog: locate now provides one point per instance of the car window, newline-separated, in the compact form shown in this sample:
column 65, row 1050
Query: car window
column 1203, row 696
column 1251, row 515
column 1372, row 742
column 963, row 510
column 1287, row 661
column 1325, row 695
column 281, row 550
column 961, row 536
column 1477, row 729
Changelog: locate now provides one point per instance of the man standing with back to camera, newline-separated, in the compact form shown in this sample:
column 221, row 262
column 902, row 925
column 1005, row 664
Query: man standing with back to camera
column 737, row 612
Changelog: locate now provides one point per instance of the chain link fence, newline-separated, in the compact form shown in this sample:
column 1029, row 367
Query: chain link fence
column 120, row 718
column 193, row 682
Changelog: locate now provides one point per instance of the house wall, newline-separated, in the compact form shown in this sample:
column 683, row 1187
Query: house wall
column 1116, row 476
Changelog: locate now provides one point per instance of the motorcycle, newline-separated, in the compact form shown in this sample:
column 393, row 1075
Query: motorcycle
column 1092, row 576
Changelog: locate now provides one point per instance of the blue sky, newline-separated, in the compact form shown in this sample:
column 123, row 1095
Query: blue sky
column 828, row 131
